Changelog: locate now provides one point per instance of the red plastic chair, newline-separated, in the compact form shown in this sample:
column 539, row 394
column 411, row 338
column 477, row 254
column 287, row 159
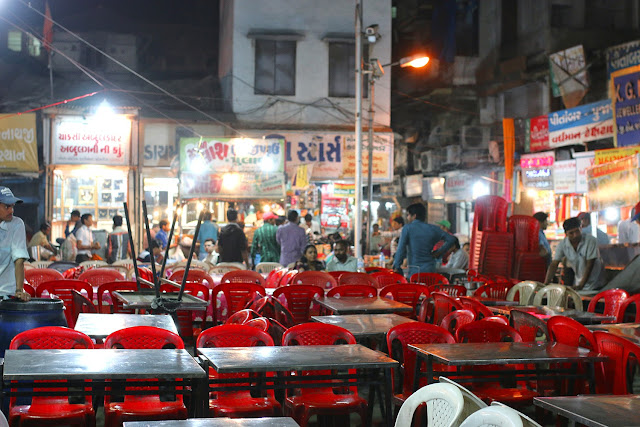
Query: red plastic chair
column 36, row 276
column 479, row 309
column 62, row 289
column 238, row 403
column 452, row 321
column 29, row 289
column 406, row 293
column 385, row 278
column 298, row 299
column 305, row 402
column 286, row 278
column 273, row 278
column 350, row 278
column 498, row 319
column 243, row 276
column 612, row 298
column 111, row 287
column 336, row 274
column 428, row 279
column 443, row 305
column 628, row 302
column 530, row 327
column 98, row 276
column 317, row 278
column 241, row 317
column 398, row 339
column 196, row 276
column 186, row 317
column 261, row 323
column 525, row 229
column 476, row 332
column 451, row 290
column 80, row 304
column 493, row 290
column 351, row 291
column 51, row 410
column 623, row 356
column 271, row 308
column 237, row 295
column 372, row 270
column 143, row 407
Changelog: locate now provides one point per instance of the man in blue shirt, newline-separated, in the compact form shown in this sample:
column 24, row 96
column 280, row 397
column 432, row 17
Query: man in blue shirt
column 545, row 248
column 419, row 239
column 208, row 230
column 161, row 235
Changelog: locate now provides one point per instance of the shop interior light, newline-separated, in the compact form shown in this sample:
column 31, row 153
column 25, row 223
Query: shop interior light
column 198, row 165
column 230, row 181
column 480, row 189
column 532, row 193
column 104, row 111
column 242, row 146
column 266, row 208
column 199, row 207
column 267, row 164
column 612, row 214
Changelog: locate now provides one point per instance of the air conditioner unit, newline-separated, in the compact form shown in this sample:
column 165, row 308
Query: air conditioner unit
column 453, row 155
column 417, row 163
column 436, row 137
column 475, row 137
column 429, row 161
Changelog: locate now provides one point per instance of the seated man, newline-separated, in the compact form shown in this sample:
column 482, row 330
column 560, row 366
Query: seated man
column 459, row 258
column 341, row 260
column 40, row 241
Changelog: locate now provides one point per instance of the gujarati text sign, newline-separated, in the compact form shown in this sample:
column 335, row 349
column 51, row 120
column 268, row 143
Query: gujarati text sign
column 18, row 143
column 613, row 184
column 217, row 155
column 626, row 101
column 581, row 124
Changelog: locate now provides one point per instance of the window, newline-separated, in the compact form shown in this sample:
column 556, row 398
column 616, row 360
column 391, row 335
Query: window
column 342, row 69
column 275, row 72
column 14, row 41
column 34, row 46
column 92, row 58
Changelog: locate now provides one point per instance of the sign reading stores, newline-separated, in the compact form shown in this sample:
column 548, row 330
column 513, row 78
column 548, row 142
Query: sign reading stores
column 18, row 145
column 581, row 124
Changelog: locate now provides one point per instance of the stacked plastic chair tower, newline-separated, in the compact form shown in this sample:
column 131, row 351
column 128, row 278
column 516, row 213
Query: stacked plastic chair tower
column 527, row 262
column 491, row 251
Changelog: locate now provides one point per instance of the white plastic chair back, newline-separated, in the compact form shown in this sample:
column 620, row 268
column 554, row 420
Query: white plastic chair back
column 92, row 263
column 195, row 265
column 237, row 265
column 555, row 295
column 526, row 421
column 575, row 297
column 41, row 264
column 444, row 405
column 3, row 420
column 526, row 291
column 125, row 262
column 471, row 402
column 267, row 267
column 493, row 416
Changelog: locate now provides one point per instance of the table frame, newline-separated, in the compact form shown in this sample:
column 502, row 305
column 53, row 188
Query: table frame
column 554, row 404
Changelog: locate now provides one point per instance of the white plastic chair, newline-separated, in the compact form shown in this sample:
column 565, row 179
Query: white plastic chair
column 3, row 420
column 526, row 421
column 472, row 403
column 526, row 290
column 237, row 265
column 444, row 405
column 267, row 267
column 493, row 416
column 92, row 263
column 195, row 265
column 555, row 295
column 572, row 295
column 41, row 264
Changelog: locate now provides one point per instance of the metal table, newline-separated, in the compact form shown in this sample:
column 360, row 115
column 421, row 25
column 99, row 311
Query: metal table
column 366, row 305
column 144, row 300
column 99, row 326
column 490, row 302
column 170, row 367
column 544, row 312
column 362, row 326
column 630, row 331
column 373, row 368
column 506, row 353
column 217, row 422
column 595, row 411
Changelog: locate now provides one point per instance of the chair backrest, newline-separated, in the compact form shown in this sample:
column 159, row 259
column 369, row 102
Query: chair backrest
column 495, row 416
column 317, row 278
column 195, row 265
column 371, row 270
column 317, row 334
column 286, row 277
column 498, row 318
column 273, row 309
column 236, row 265
column 526, row 421
column 451, row 290
column 444, row 403
column 196, row 289
column 479, row 309
column 92, row 263
column 273, row 278
column 612, row 298
column 493, row 290
column 626, row 303
column 141, row 337
column 41, row 264
column 110, row 288
column 242, row 316
column 385, row 278
column 298, row 299
column 525, row 229
column 62, row 289
column 233, row 335
column 472, row 403
column 199, row 276
column 267, row 267
column 98, row 276
column 29, row 289
column 400, row 336
column 524, row 291
column 36, row 276
column 572, row 299
column 622, row 362
column 51, row 337
column 237, row 295
column 481, row 331
column 406, row 293
column 443, row 305
column 261, row 323
column 124, row 262
column 428, row 278
column 530, row 327
column 452, row 321
column 243, row 276
column 554, row 294
column 62, row 266
column 80, row 304
column 353, row 291
column 349, row 278
column 567, row 331
column 223, row 269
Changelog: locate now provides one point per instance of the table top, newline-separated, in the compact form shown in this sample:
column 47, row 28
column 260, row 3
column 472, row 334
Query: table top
column 144, row 299
column 502, row 353
column 630, row 331
column 364, row 325
column 493, row 301
column 99, row 326
column 360, row 305
column 544, row 312
column 217, row 422
column 303, row 357
column 596, row 410
column 100, row 364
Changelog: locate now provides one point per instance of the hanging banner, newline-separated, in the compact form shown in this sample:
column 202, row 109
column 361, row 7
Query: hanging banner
column 539, row 134
column 537, row 170
column 232, row 185
column 18, row 143
column 613, row 184
column 94, row 141
column 583, row 162
column 564, row 176
column 626, row 103
column 581, row 124
column 245, row 155
column 613, row 154
column 568, row 71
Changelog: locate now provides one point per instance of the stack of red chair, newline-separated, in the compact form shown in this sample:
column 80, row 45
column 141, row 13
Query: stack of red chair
column 527, row 262
column 491, row 243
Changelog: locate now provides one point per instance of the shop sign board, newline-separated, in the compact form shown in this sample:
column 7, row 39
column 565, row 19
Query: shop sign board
column 613, row 184
column 18, row 143
column 537, row 170
column 338, row 190
column 235, row 185
column 458, row 187
column 583, row 162
column 564, row 176
column 433, row 188
column 392, row 190
column 539, row 133
column 240, row 155
column 581, row 124
column 626, row 103
column 382, row 158
column 76, row 140
column 613, row 154
column 622, row 56
column 413, row 185
column 160, row 145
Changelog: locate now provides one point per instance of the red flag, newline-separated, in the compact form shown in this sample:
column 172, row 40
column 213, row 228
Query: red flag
column 47, row 29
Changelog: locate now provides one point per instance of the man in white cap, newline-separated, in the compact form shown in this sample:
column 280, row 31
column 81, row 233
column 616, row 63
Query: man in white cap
column 13, row 248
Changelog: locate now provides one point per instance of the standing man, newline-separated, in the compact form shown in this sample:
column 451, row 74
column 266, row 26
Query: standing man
column 118, row 242
column 419, row 239
column 292, row 240
column 212, row 255
column 208, row 230
column 311, row 227
column 582, row 255
column 232, row 243
column 13, row 248
column 264, row 240
column 84, row 239
column 161, row 235
column 585, row 219
column 543, row 244
column 341, row 260
column 628, row 230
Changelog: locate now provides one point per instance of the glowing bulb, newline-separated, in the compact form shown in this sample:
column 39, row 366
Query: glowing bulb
column 532, row 193
column 199, row 207
column 267, row 164
column 198, row 165
column 266, row 208
column 480, row 189
column 612, row 214
column 415, row 61
column 230, row 181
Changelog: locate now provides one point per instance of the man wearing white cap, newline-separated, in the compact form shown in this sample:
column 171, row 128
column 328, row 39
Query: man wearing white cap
column 13, row 248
